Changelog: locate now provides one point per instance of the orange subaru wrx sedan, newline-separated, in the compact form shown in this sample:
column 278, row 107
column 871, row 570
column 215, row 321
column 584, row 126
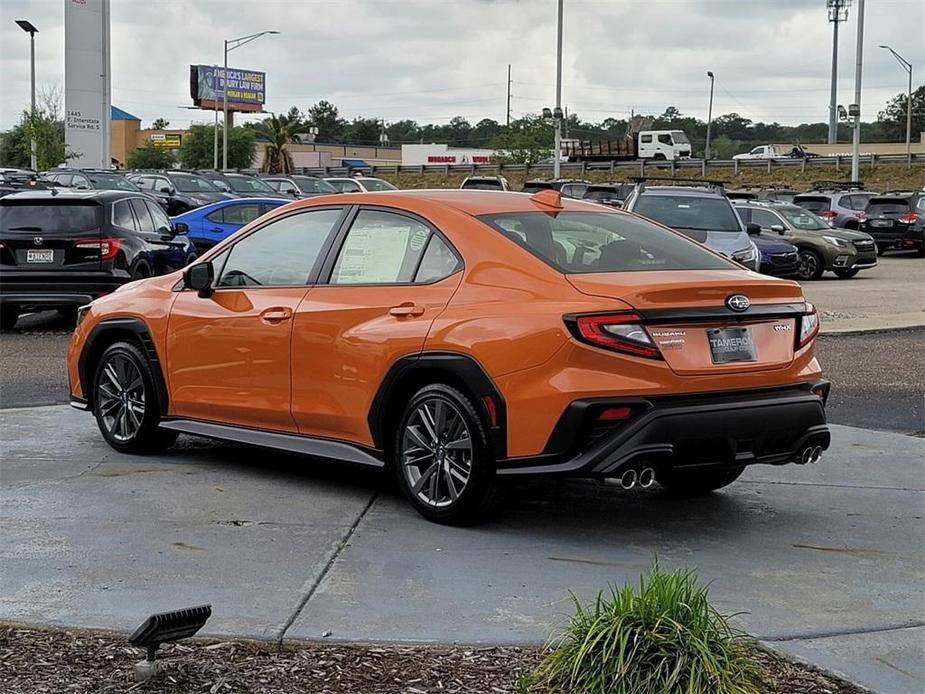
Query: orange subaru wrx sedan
column 461, row 337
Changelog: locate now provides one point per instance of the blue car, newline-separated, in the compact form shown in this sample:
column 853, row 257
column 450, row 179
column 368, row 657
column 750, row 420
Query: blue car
column 778, row 258
column 213, row 223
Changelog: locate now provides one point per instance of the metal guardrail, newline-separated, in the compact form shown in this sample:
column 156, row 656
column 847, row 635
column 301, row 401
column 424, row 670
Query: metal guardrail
column 625, row 167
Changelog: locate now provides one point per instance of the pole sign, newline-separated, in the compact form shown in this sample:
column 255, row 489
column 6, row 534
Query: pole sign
column 246, row 88
column 86, row 82
column 166, row 140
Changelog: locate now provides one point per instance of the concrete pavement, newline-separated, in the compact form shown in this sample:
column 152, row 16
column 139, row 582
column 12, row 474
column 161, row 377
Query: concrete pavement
column 825, row 561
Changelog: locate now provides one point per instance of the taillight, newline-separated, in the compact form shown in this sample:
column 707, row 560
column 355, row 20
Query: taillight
column 828, row 214
column 862, row 216
column 107, row 248
column 620, row 332
column 809, row 326
column 909, row 218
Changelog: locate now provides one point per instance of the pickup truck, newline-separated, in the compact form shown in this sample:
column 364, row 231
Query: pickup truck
column 776, row 152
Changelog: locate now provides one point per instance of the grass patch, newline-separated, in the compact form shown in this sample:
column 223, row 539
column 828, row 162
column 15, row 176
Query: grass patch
column 661, row 638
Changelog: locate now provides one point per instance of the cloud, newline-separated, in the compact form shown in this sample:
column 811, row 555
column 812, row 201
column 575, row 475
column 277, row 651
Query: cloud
column 430, row 61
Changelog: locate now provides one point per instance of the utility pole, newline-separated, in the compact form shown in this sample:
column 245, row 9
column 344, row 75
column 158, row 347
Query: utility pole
column 508, row 111
column 215, row 127
column 838, row 12
column 706, row 150
column 557, row 153
column 856, row 148
column 907, row 66
column 30, row 29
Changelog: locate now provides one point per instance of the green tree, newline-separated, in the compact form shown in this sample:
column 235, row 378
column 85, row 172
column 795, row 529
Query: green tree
column 893, row 117
column 363, row 131
column 324, row 116
column 520, row 147
column 403, row 131
column 160, row 124
column 280, row 131
column 14, row 147
column 197, row 147
column 150, row 157
column 723, row 147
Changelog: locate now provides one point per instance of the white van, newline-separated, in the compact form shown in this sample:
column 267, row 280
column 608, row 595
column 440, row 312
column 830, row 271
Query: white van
column 669, row 145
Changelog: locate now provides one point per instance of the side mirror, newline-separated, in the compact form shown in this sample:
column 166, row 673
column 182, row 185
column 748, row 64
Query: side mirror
column 200, row 276
column 753, row 229
column 616, row 203
column 180, row 228
column 165, row 189
column 779, row 228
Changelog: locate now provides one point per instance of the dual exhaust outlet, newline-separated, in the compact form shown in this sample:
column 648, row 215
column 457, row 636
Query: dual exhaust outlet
column 811, row 454
column 644, row 478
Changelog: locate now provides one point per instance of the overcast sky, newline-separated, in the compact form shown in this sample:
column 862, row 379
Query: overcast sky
column 430, row 60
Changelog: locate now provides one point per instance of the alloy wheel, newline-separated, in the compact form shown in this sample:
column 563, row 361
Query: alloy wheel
column 809, row 266
column 436, row 455
column 121, row 397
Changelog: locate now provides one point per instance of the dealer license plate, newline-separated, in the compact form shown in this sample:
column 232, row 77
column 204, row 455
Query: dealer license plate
column 881, row 222
column 35, row 256
column 731, row 344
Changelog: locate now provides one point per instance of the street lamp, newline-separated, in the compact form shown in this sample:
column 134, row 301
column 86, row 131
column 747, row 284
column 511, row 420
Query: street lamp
column 30, row 29
column 706, row 150
column 230, row 45
column 907, row 66
column 557, row 115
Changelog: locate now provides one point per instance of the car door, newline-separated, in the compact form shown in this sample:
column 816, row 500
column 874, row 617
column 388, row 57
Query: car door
column 228, row 353
column 223, row 222
column 389, row 276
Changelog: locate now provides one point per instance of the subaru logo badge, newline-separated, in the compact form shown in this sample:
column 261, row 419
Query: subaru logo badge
column 738, row 302
column 38, row 240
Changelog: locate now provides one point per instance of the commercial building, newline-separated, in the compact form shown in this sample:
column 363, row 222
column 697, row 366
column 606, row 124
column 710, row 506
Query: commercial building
column 417, row 155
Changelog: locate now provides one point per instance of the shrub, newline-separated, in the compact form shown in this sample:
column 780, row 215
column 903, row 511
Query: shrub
column 664, row 638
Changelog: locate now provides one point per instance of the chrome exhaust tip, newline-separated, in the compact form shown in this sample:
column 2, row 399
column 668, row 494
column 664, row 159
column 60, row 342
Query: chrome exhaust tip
column 628, row 479
column 646, row 478
column 817, row 454
column 807, row 456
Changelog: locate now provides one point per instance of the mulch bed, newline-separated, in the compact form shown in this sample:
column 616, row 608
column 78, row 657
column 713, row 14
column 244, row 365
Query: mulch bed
column 35, row 661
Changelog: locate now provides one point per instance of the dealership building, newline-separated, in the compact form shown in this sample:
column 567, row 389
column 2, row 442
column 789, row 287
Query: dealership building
column 424, row 155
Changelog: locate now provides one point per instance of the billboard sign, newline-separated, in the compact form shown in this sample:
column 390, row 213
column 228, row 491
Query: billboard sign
column 246, row 88
column 166, row 140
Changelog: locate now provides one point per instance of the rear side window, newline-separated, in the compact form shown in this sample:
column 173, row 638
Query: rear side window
column 381, row 248
column 438, row 262
column 235, row 214
column 813, row 203
column 122, row 215
column 582, row 242
column 888, row 206
column 345, row 186
column 282, row 253
column 145, row 222
column 56, row 217
column 856, row 202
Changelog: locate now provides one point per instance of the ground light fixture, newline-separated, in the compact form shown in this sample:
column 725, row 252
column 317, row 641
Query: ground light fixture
column 163, row 628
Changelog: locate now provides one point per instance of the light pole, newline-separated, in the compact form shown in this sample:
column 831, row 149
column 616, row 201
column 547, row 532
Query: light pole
column 558, row 109
column 706, row 150
column 215, row 128
column 838, row 13
column 856, row 147
column 230, row 45
column 907, row 66
column 30, row 29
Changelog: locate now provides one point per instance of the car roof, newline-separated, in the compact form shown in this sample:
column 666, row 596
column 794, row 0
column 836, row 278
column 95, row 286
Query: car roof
column 470, row 201
column 57, row 194
column 688, row 191
column 235, row 201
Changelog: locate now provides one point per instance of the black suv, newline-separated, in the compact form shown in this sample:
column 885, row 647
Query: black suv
column 241, row 185
column 62, row 249
column 608, row 193
column 896, row 221
column 178, row 191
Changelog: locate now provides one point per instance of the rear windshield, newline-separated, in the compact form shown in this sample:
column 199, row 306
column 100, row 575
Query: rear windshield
column 56, row 217
column 888, row 206
column 600, row 194
column 246, row 184
column 815, row 203
column 534, row 187
column 307, row 184
column 583, row 242
column 377, row 184
column 483, row 185
column 112, row 182
column 689, row 212
column 192, row 184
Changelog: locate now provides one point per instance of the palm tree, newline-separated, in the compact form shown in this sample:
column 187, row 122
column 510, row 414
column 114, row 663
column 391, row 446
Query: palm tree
column 280, row 131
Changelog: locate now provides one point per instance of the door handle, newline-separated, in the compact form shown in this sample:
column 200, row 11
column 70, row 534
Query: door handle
column 276, row 314
column 407, row 309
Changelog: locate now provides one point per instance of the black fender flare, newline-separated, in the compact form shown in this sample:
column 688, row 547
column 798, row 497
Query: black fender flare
column 105, row 333
column 465, row 369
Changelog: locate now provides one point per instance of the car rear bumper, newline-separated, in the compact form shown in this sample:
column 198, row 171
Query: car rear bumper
column 704, row 431
column 32, row 290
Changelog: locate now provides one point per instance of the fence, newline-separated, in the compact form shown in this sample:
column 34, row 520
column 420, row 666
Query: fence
column 628, row 168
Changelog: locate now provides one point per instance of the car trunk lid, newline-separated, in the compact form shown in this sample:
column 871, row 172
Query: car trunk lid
column 689, row 317
column 51, row 234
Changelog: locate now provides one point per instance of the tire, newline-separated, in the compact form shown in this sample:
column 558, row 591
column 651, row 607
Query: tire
column 690, row 483
column 811, row 265
column 445, row 483
column 140, row 272
column 124, row 392
column 69, row 314
column 881, row 249
column 8, row 317
column 846, row 272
